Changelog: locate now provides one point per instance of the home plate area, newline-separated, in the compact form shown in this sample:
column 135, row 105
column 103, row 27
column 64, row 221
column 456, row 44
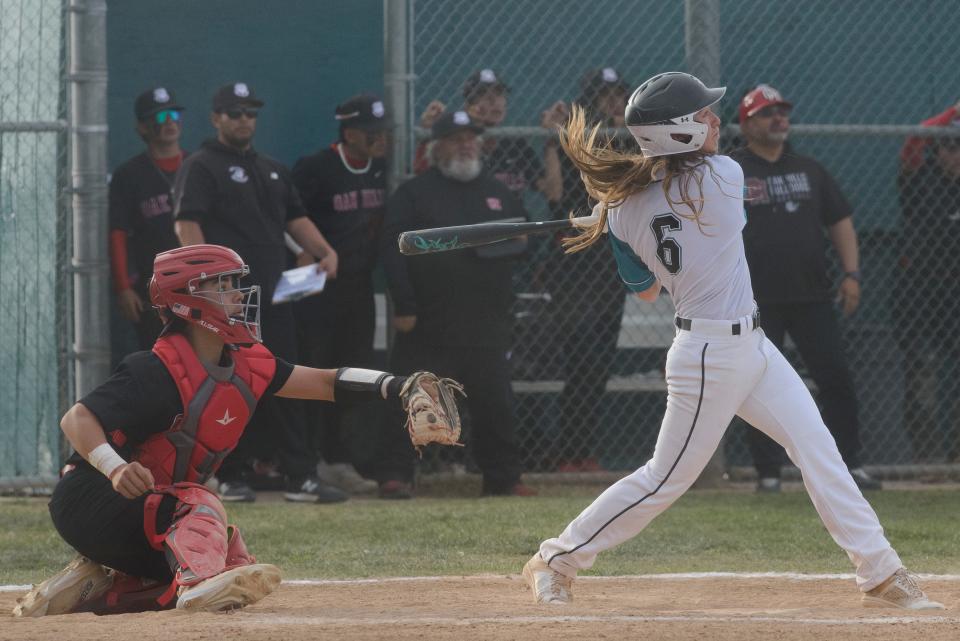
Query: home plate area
column 693, row 606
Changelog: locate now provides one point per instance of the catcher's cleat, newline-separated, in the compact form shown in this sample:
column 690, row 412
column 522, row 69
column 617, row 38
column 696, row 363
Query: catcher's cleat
column 81, row 581
column 230, row 590
column 900, row 591
column 548, row 585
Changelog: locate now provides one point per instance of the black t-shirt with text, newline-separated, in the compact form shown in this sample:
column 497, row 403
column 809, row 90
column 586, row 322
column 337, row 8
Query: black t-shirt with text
column 140, row 399
column 242, row 200
column 460, row 298
column 513, row 162
column 788, row 204
column 346, row 205
column 141, row 204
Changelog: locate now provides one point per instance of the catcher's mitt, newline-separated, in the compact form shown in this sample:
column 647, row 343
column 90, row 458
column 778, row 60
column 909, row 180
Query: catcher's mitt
column 431, row 406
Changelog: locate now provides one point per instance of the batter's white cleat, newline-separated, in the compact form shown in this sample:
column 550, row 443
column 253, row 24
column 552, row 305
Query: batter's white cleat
column 548, row 585
column 900, row 591
column 81, row 581
column 230, row 590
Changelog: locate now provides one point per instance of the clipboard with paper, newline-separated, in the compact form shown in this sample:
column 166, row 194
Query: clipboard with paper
column 297, row 283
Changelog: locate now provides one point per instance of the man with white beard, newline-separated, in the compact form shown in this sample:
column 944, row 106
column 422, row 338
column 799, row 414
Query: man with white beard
column 451, row 309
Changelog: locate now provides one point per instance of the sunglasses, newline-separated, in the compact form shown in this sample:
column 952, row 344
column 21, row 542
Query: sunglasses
column 773, row 110
column 234, row 113
column 162, row 117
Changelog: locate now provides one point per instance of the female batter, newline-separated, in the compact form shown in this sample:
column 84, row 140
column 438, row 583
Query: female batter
column 132, row 499
column 674, row 216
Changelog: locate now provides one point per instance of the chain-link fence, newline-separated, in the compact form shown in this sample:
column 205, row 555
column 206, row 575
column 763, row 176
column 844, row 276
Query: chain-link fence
column 861, row 75
column 34, row 310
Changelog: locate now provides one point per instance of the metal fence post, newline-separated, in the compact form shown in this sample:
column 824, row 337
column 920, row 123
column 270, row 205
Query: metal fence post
column 702, row 53
column 398, row 80
column 87, row 92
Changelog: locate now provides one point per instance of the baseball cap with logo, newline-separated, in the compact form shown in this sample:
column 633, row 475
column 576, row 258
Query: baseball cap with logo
column 364, row 111
column 234, row 94
column 480, row 82
column 153, row 100
column 596, row 80
column 452, row 122
column 758, row 98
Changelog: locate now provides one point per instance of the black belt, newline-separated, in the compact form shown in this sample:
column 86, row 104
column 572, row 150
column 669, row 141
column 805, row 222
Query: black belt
column 686, row 323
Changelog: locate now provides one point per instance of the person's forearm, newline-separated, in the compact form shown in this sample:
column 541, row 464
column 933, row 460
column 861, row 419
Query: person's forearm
column 189, row 232
column 650, row 294
column 85, row 433
column 551, row 185
column 844, row 239
column 346, row 385
column 306, row 234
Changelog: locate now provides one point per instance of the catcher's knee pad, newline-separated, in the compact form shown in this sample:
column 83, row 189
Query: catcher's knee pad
column 197, row 538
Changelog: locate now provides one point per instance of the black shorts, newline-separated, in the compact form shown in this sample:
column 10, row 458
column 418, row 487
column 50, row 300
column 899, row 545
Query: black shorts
column 107, row 528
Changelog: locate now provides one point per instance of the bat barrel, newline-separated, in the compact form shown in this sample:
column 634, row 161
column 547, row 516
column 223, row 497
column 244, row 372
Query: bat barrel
column 438, row 239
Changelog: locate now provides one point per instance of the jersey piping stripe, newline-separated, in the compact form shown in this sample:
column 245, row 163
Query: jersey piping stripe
column 696, row 415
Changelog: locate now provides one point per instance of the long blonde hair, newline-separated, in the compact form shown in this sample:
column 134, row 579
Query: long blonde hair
column 611, row 176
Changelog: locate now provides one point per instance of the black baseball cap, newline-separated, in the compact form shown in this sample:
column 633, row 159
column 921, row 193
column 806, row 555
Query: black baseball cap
column 234, row 94
column 480, row 82
column 597, row 80
column 452, row 122
column 153, row 100
column 364, row 111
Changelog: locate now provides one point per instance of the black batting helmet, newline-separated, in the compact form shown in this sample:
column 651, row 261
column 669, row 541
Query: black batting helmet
column 665, row 105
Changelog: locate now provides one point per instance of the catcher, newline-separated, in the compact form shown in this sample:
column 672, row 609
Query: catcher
column 132, row 499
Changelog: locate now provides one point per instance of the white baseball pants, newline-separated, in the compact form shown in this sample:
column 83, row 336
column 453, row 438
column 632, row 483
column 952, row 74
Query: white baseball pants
column 713, row 375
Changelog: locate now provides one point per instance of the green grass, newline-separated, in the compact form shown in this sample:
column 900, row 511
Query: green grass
column 704, row 531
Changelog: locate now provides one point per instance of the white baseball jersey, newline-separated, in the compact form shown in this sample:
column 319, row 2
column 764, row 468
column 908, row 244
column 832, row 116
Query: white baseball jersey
column 704, row 267
column 720, row 365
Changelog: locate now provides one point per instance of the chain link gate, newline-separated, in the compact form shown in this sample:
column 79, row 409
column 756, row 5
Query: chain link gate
column 588, row 358
column 34, row 227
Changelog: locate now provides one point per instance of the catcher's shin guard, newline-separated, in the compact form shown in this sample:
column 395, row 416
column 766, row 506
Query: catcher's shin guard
column 215, row 572
column 198, row 535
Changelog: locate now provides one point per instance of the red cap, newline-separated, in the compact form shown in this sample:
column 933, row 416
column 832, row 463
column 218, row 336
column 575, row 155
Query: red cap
column 757, row 99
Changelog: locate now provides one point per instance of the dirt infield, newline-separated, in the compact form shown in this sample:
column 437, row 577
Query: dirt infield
column 496, row 607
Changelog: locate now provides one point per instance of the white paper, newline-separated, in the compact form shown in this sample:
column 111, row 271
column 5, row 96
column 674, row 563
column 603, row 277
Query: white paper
column 299, row 282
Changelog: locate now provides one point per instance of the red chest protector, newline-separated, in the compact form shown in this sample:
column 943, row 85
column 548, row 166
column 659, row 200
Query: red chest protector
column 216, row 407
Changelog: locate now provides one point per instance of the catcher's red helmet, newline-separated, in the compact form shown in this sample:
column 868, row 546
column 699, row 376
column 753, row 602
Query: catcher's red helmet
column 174, row 289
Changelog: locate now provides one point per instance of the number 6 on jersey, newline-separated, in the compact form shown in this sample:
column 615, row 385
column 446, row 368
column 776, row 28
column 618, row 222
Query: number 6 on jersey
column 668, row 249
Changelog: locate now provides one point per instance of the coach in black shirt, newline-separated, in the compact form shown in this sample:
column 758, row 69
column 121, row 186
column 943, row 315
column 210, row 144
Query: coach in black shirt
column 452, row 308
column 228, row 194
column 789, row 200
column 343, row 187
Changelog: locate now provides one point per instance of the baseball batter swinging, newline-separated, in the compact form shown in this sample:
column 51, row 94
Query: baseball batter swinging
column 132, row 499
column 674, row 216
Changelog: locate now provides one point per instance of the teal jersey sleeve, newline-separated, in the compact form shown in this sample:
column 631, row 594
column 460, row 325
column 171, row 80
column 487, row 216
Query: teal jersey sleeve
column 633, row 271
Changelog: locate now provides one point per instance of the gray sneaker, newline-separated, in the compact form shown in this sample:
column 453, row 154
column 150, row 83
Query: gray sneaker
column 547, row 585
column 311, row 490
column 236, row 492
column 345, row 477
column 900, row 591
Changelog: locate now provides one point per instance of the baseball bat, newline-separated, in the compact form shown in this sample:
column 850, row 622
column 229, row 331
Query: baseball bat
column 441, row 239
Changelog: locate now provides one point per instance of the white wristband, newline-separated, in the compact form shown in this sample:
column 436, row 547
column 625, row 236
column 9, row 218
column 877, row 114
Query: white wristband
column 104, row 458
